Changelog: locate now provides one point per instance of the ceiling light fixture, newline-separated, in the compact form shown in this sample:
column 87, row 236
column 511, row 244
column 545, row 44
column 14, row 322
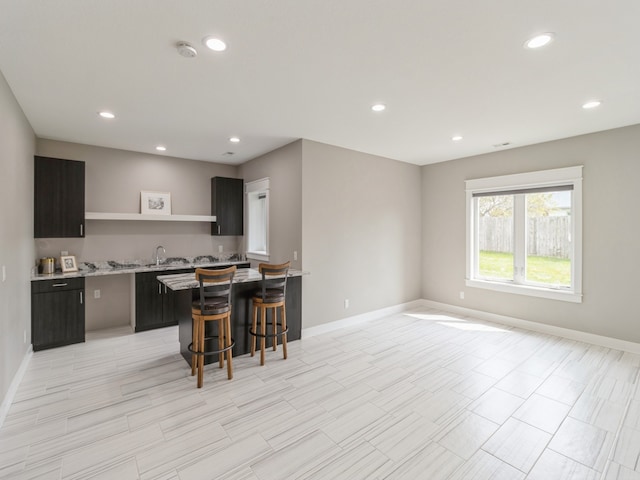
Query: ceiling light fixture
column 234, row 140
column 106, row 115
column 378, row 107
column 215, row 44
column 539, row 40
column 456, row 138
column 591, row 104
column 161, row 148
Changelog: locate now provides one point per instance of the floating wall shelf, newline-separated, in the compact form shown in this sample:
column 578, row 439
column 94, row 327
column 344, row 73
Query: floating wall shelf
column 155, row 218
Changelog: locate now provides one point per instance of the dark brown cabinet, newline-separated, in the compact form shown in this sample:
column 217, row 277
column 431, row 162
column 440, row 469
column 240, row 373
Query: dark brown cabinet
column 227, row 206
column 58, row 198
column 57, row 312
column 154, row 301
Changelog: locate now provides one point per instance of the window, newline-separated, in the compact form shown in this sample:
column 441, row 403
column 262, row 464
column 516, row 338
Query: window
column 524, row 233
column 258, row 219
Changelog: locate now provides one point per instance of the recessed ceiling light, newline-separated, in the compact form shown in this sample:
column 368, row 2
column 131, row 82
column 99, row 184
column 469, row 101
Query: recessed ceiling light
column 215, row 44
column 539, row 40
column 591, row 104
column 234, row 140
column 378, row 107
column 161, row 148
column 456, row 138
column 106, row 115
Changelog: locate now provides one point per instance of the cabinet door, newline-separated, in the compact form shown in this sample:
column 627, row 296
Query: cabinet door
column 154, row 302
column 227, row 205
column 57, row 318
column 169, row 299
column 58, row 198
column 148, row 301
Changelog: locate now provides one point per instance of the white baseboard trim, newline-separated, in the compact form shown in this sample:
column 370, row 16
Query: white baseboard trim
column 15, row 383
column 357, row 319
column 568, row 333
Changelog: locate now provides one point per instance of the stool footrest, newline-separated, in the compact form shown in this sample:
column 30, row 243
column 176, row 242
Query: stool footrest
column 211, row 352
column 270, row 335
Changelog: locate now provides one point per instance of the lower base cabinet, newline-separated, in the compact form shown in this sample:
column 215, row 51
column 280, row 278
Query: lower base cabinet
column 154, row 301
column 57, row 312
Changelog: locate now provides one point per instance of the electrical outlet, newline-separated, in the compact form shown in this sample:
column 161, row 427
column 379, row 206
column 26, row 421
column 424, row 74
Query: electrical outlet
column 96, row 294
column 219, row 248
column 346, row 303
column 64, row 253
column 461, row 295
column 295, row 255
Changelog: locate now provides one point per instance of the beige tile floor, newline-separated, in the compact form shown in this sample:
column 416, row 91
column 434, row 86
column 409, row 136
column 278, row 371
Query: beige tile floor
column 419, row 395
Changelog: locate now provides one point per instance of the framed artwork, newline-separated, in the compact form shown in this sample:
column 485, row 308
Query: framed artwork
column 68, row 264
column 155, row 203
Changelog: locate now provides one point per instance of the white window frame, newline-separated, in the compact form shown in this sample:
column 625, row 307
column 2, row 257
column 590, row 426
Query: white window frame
column 522, row 181
column 257, row 187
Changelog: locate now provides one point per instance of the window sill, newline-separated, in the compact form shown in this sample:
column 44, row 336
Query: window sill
column 562, row 295
column 262, row 256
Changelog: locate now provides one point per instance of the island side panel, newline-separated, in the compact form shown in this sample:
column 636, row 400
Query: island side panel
column 240, row 316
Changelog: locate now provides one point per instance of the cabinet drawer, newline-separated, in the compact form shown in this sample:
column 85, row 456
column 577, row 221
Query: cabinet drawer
column 60, row 284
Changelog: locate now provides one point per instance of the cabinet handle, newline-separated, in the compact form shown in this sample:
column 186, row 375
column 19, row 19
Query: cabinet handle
column 165, row 289
column 159, row 289
column 81, row 229
column 81, row 297
column 59, row 285
column 218, row 229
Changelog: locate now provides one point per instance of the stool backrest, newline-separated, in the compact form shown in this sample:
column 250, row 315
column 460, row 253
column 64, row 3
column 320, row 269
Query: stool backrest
column 274, row 277
column 215, row 283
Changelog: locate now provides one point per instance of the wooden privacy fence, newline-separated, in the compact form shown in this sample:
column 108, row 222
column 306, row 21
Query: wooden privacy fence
column 546, row 236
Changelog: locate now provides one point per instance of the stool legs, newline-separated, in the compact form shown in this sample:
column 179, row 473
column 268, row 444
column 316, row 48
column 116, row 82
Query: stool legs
column 227, row 336
column 254, row 326
column 284, row 329
column 201, row 360
column 196, row 345
column 221, row 341
column 263, row 331
column 274, row 325
column 224, row 341
column 261, row 312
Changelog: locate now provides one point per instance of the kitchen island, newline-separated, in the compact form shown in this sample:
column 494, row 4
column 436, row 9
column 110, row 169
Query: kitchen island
column 245, row 283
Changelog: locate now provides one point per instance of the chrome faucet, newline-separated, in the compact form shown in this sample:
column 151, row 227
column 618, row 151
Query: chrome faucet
column 157, row 254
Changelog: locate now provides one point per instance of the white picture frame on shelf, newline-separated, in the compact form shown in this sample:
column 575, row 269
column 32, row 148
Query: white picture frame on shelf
column 155, row 203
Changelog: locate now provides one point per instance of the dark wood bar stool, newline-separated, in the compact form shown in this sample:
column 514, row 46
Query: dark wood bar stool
column 272, row 295
column 214, row 305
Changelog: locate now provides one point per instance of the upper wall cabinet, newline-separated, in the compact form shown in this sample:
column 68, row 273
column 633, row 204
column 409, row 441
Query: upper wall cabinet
column 58, row 198
column 227, row 206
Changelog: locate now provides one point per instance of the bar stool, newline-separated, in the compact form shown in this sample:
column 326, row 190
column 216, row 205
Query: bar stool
column 272, row 295
column 214, row 305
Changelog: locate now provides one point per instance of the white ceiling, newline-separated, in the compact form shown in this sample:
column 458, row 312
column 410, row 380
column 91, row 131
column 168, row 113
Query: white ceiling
column 313, row 68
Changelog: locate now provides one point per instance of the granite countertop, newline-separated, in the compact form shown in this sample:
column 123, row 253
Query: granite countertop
column 185, row 281
column 116, row 267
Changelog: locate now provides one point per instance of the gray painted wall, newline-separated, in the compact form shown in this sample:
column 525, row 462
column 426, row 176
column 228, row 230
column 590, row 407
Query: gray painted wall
column 610, row 232
column 114, row 179
column 361, row 234
column 284, row 169
column 17, row 144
